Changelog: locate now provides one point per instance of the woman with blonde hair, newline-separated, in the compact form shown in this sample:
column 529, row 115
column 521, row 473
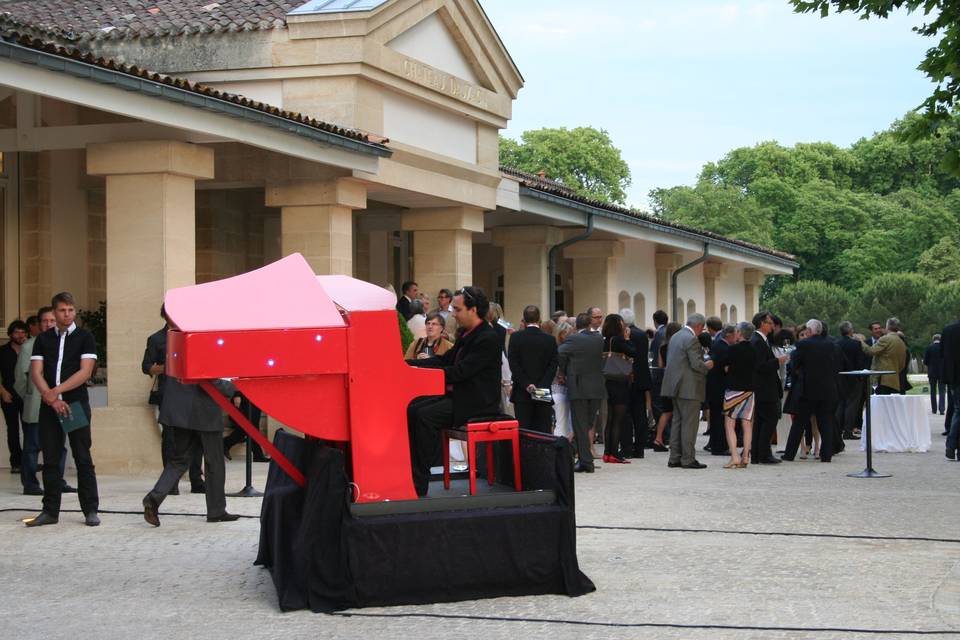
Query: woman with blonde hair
column 563, row 423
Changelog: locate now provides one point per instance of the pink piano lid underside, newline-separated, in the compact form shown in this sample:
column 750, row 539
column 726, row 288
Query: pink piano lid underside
column 281, row 295
column 357, row 295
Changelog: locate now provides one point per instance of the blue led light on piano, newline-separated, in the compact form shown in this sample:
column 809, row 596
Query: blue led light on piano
column 219, row 342
column 270, row 362
column 319, row 337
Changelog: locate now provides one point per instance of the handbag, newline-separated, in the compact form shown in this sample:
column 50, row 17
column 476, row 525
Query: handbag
column 617, row 366
column 156, row 395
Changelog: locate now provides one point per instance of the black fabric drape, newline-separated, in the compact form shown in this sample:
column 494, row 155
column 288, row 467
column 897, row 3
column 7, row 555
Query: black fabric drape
column 323, row 558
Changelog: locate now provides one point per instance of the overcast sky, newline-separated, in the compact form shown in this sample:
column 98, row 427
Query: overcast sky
column 678, row 83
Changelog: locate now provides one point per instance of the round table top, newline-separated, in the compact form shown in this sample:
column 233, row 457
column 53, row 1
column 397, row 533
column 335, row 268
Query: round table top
column 866, row 372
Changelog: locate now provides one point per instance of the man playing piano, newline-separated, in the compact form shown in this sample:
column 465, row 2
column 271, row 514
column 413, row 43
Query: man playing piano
column 472, row 377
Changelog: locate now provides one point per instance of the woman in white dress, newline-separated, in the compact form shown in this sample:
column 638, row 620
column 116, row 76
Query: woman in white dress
column 563, row 423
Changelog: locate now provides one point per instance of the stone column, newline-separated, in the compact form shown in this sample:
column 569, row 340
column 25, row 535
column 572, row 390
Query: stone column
column 712, row 271
column 666, row 264
column 525, row 277
column 443, row 246
column 151, row 247
column 752, row 280
column 316, row 220
column 594, row 274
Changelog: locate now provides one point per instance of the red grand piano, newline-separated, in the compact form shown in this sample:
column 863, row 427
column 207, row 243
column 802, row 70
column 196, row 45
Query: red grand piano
column 321, row 354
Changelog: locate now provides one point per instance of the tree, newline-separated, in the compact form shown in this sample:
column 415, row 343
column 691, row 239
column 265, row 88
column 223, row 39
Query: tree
column 801, row 301
column 939, row 64
column 941, row 262
column 941, row 308
column 583, row 159
column 900, row 295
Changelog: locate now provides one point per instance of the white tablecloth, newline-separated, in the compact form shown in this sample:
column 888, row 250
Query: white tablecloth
column 900, row 423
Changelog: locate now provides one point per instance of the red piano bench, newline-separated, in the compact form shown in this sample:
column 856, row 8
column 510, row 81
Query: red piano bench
column 485, row 430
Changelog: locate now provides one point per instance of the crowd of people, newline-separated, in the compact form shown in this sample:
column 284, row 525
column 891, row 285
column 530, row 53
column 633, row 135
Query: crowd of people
column 762, row 388
column 596, row 379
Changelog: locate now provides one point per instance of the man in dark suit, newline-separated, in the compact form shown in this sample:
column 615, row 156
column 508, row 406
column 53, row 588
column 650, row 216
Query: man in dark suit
column 876, row 332
column 934, row 363
column 472, row 374
column 853, row 389
column 197, row 423
column 533, row 364
column 818, row 361
column 716, row 386
column 580, row 359
column 767, row 389
column 154, row 364
column 660, row 320
column 950, row 362
column 408, row 291
column 633, row 444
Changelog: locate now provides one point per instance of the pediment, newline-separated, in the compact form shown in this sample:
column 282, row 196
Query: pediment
column 432, row 42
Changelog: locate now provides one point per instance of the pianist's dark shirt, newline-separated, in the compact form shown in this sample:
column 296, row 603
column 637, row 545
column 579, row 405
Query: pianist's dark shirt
column 472, row 373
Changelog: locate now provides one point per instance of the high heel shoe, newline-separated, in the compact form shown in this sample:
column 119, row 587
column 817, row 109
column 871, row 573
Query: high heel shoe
column 732, row 465
column 609, row 459
column 659, row 446
column 744, row 461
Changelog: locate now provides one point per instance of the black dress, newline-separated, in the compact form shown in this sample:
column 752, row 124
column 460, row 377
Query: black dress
column 618, row 391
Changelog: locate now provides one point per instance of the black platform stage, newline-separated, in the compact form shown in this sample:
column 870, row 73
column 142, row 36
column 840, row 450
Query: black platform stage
column 326, row 554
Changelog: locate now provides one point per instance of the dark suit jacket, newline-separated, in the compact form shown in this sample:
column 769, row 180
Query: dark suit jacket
column 156, row 353
column 403, row 306
column 818, row 360
column 854, row 359
column 472, row 373
column 501, row 335
column 766, row 381
column 641, row 365
column 934, row 361
column 189, row 407
column 533, row 360
column 658, row 337
column 717, row 377
column 580, row 360
column 950, row 353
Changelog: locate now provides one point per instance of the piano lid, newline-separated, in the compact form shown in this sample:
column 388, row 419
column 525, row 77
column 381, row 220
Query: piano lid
column 357, row 295
column 283, row 295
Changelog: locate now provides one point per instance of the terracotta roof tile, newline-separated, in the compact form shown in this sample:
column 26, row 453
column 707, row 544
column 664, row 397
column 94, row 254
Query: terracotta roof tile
column 546, row 185
column 187, row 85
column 79, row 20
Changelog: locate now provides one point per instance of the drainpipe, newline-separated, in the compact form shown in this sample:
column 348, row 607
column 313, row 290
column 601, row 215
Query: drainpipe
column 673, row 280
column 552, row 261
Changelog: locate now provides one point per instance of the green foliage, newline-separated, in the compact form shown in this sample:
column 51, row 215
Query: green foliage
column 941, row 307
column 96, row 323
column 941, row 262
column 583, row 159
column 801, row 301
column 406, row 336
column 900, row 295
column 942, row 20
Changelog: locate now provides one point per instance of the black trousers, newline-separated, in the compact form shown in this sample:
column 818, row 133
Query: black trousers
column 718, row 434
column 765, row 418
column 537, row 416
column 853, row 394
column 51, row 443
column 823, row 410
column 168, row 449
column 938, row 390
column 426, row 417
column 636, row 433
column 11, row 415
column 187, row 444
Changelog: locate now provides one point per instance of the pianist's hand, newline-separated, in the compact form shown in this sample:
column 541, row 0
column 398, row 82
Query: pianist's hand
column 422, row 356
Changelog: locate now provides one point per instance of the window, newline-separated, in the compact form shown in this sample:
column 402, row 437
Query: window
column 733, row 314
column 623, row 301
column 691, row 307
column 640, row 309
column 723, row 313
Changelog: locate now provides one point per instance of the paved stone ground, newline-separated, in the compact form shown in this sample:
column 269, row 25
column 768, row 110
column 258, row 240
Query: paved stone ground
column 193, row 579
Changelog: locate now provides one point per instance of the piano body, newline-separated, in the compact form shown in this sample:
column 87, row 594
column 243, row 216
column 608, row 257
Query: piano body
column 321, row 354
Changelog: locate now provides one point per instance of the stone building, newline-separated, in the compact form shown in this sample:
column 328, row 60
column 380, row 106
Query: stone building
column 160, row 143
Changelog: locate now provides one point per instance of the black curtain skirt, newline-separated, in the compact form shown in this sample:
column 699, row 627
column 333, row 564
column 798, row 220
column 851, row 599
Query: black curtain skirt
column 325, row 554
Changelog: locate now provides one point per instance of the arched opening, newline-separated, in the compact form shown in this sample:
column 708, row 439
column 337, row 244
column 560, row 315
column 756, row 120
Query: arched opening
column 623, row 301
column 691, row 307
column 640, row 310
column 733, row 314
column 723, row 313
